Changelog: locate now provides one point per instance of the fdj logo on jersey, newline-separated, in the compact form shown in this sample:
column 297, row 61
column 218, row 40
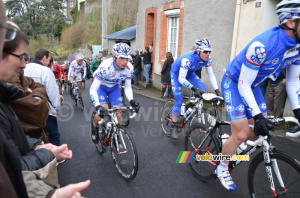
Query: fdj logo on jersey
column 259, row 55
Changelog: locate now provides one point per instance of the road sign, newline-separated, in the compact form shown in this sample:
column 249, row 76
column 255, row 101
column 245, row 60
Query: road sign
column 71, row 57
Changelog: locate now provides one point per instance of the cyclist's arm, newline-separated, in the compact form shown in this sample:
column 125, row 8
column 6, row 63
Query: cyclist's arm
column 292, row 84
column 249, row 71
column 70, row 71
column 63, row 72
column 94, row 90
column 84, row 70
column 211, row 76
column 185, row 65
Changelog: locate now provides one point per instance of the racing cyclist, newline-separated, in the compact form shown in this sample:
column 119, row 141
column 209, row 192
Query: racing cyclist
column 106, row 84
column 75, row 72
column 182, row 73
column 264, row 57
column 58, row 73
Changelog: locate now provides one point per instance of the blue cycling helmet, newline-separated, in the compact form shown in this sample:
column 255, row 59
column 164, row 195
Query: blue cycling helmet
column 288, row 9
column 203, row 45
column 121, row 50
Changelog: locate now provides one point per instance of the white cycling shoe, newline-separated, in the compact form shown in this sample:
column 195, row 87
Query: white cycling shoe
column 226, row 180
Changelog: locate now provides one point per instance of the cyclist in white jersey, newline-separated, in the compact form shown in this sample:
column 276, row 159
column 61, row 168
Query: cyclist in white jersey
column 75, row 71
column 106, row 84
column 264, row 57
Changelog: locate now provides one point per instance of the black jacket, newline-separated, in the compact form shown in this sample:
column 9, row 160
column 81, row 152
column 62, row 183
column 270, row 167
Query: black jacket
column 10, row 125
column 137, row 62
column 165, row 72
column 147, row 58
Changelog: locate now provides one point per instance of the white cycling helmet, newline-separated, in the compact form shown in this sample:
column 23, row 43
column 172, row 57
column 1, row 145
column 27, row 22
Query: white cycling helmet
column 288, row 9
column 203, row 45
column 79, row 57
column 121, row 50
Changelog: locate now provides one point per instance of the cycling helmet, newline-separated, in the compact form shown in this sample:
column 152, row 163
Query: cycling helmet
column 98, row 55
column 79, row 57
column 288, row 9
column 203, row 45
column 121, row 50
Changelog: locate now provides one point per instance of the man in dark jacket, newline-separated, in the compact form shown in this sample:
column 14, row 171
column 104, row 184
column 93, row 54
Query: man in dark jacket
column 137, row 63
column 147, row 63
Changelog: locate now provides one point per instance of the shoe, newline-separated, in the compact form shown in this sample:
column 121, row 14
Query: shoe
column 294, row 131
column 174, row 130
column 226, row 180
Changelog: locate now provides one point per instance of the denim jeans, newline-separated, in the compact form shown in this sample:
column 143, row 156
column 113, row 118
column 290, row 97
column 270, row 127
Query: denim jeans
column 51, row 130
column 147, row 72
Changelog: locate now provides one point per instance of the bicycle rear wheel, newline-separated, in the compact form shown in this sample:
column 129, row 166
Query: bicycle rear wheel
column 203, row 170
column 166, row 117
column 124, row 153
column 289, row 169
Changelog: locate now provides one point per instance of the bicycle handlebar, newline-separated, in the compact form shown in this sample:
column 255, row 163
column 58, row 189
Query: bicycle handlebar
column 210, row 97
column 275, row 121
column 120, row 108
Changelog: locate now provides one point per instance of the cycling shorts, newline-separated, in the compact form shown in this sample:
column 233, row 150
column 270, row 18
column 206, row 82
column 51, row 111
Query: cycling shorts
column 235, row 106
column 113, row 94
column 177, row 88
column 76, row 77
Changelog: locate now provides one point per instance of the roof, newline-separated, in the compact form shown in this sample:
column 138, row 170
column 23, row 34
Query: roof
column 126, row 34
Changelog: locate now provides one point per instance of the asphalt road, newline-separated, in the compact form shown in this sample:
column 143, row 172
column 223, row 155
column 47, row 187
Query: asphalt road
column 158, row 174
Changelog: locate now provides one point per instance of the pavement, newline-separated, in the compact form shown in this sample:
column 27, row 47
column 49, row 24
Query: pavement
column 154, row 93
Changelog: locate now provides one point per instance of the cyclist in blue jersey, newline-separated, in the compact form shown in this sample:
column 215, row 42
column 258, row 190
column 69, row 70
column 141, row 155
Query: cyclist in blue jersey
column 264, row 57
column 106, row 84
column 182, row 73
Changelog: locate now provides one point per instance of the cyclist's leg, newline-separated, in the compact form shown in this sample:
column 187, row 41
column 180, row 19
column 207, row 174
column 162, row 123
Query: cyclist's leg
column 79, row 78
column 178, row 97
column 71, row 81
column 102, row 94
column 196, row 81
column 115, row 99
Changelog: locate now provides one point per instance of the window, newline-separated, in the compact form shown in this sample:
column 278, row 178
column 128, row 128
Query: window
column 173, row 26
column 71, row 4
column 173, row 29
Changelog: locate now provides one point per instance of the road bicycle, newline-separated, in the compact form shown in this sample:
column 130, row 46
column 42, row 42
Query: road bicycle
column 128, row 112
column 206, row 140
column 123, row 149
column 196, row 115
column 64, row 87
column 75, row 95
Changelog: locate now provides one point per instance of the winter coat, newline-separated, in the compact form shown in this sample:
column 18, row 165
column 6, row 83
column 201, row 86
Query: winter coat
column 165, row 72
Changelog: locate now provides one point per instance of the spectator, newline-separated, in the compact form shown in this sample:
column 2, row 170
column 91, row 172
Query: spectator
column 147, row 63
column 10, row 127
column 137, row 63
column 45, row 76
column 95, row 63
column 27, row 57
column 88, row 72
column 165, row 75
column 276, row 95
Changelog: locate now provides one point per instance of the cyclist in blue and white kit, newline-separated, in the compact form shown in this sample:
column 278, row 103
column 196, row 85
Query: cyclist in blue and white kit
column 182, row 73
column 264, row 57
column 106, row 84
column 75, row 71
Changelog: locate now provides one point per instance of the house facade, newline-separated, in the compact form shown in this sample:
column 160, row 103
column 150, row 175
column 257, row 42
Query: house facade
column 175, row 26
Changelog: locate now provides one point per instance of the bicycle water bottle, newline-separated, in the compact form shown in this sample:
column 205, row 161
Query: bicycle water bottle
column 224, row 137
column 182, row 109
column 108, row 127
column 188, row 111
column 241, row 148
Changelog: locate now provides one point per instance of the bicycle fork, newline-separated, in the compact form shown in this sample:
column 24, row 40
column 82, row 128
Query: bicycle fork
column 122, row 142
column 269, row 163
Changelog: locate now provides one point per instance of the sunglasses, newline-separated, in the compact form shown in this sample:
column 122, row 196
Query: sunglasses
column 206, row 52
column 21, row 57
column 11, row 33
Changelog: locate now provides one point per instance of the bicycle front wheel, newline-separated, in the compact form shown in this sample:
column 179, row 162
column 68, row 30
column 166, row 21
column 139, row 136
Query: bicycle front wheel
column 288, row 168
column 198, row 140
column 124, row 153
column 166, row 117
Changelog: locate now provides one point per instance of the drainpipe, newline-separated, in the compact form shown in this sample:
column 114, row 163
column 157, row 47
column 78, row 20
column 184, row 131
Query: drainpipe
column 235, row 28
